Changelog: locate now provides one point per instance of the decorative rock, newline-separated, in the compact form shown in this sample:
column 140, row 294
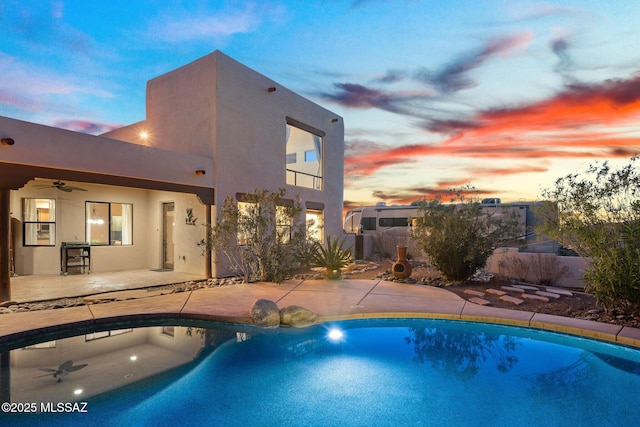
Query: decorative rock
column 548, row 294
column 512, row 289
column 496, row 292
column 479, row 301
column 516, row 301
column 265, row 313
column 474, row 293
column 527, row 287
column 560, row 291
column 297, row 316
column 535, row 297
column 7, row 303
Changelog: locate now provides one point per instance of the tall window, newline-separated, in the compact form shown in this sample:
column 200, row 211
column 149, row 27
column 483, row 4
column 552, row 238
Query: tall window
column 315, row 224
column 39, row 222
column 304, row 161
column 109, row 223
column 245, row 209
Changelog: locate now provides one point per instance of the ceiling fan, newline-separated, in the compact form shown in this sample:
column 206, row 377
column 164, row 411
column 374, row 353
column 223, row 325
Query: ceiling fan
column 61, row 186
column 63, row 370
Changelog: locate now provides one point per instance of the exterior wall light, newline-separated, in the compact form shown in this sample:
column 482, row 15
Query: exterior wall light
column 333, row 120
column 7, row 141
column 271, row 89
column 200, row 172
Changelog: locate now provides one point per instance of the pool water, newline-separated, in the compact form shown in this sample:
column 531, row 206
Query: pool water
column 380, row 373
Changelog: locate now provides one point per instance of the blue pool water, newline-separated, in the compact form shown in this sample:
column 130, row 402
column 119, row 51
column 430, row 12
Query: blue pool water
column 382, row 373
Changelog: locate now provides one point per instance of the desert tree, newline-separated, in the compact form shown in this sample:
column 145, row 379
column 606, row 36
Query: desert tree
column 596, row 213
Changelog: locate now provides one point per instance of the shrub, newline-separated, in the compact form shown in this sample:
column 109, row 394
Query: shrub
column 548, row 269
column 517, row 266
column 597, row 214
column 458, row 238
column 260, row 240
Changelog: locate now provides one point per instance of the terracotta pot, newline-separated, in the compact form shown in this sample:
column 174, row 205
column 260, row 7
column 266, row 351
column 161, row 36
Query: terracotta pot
column 401, row 268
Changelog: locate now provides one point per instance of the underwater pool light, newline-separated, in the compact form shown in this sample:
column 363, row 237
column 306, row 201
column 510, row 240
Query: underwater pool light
column 335, row 334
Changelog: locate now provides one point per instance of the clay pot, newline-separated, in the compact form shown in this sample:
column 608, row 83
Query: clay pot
column 401, row 268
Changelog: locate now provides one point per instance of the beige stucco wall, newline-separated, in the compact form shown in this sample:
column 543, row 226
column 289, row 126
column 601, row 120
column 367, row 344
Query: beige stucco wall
column 146, row 251
column 217, row 107
column 502, row 259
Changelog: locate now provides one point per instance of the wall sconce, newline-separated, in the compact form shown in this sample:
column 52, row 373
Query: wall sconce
column 271, row 89
column 200, row 172
column 333, row 120
column 7, row 141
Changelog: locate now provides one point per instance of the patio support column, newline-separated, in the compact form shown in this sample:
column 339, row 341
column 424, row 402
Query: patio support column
column 207, row 255
column 5, row 224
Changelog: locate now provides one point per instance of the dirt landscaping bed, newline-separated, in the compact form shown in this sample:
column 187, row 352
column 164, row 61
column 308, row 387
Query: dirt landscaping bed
column 578, row 304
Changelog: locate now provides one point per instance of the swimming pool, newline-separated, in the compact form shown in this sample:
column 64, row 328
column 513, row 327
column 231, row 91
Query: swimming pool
column 386, row 372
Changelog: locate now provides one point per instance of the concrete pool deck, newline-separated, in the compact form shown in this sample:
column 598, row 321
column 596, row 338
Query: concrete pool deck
column 332, row 300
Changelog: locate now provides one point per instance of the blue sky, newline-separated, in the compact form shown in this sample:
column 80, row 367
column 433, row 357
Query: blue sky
column 505, row 96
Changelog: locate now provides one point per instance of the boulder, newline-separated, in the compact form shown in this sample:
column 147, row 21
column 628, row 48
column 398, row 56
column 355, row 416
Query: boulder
column 265, row 313
column 298, row 317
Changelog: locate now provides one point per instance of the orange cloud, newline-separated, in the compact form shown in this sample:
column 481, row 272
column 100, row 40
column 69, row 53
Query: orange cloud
column 579, row 122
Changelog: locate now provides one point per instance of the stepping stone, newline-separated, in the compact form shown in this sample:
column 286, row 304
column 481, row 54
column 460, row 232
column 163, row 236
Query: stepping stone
column 548, row 294
column 512, row 289
column 474, row 293
column 560, row 291
column 496, row 292
column 479, row 301
column 516, row 301
column 535, row 297
column 527, row 287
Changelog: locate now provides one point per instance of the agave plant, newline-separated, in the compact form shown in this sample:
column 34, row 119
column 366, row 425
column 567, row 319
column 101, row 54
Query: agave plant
column 333, row 257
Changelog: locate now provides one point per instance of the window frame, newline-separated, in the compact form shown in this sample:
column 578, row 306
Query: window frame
column 89, row 212
column 296, row 175
column 39, row 224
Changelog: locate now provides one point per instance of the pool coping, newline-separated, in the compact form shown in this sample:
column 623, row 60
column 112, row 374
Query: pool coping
column 348, row 299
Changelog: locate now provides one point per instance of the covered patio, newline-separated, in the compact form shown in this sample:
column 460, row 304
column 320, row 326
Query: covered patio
column 42, row 287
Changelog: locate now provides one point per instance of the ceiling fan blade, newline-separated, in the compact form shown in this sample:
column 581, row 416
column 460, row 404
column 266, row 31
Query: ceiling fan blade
column 71, row 188
column 77, row 367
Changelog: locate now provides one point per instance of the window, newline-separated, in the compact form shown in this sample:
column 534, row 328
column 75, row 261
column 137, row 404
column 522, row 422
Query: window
column 368, row 223
column 39, row 222
column 315, row 224
column 283, row 224
column 105, row 334
column 310, row 156
column 48, row 344
column 304, row 143
column 244, row 210
column 109, row 223
column 393, row 222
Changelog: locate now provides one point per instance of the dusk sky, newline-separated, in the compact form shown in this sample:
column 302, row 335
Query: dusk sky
column 505, row 95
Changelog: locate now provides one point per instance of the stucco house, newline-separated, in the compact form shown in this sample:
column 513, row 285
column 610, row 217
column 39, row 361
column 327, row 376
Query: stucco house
column 139, row 196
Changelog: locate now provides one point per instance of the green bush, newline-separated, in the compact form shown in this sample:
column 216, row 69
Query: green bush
column 597, row 214
column 458, row 238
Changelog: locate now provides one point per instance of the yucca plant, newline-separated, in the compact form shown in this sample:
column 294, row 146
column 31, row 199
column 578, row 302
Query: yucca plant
column 332, row 258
